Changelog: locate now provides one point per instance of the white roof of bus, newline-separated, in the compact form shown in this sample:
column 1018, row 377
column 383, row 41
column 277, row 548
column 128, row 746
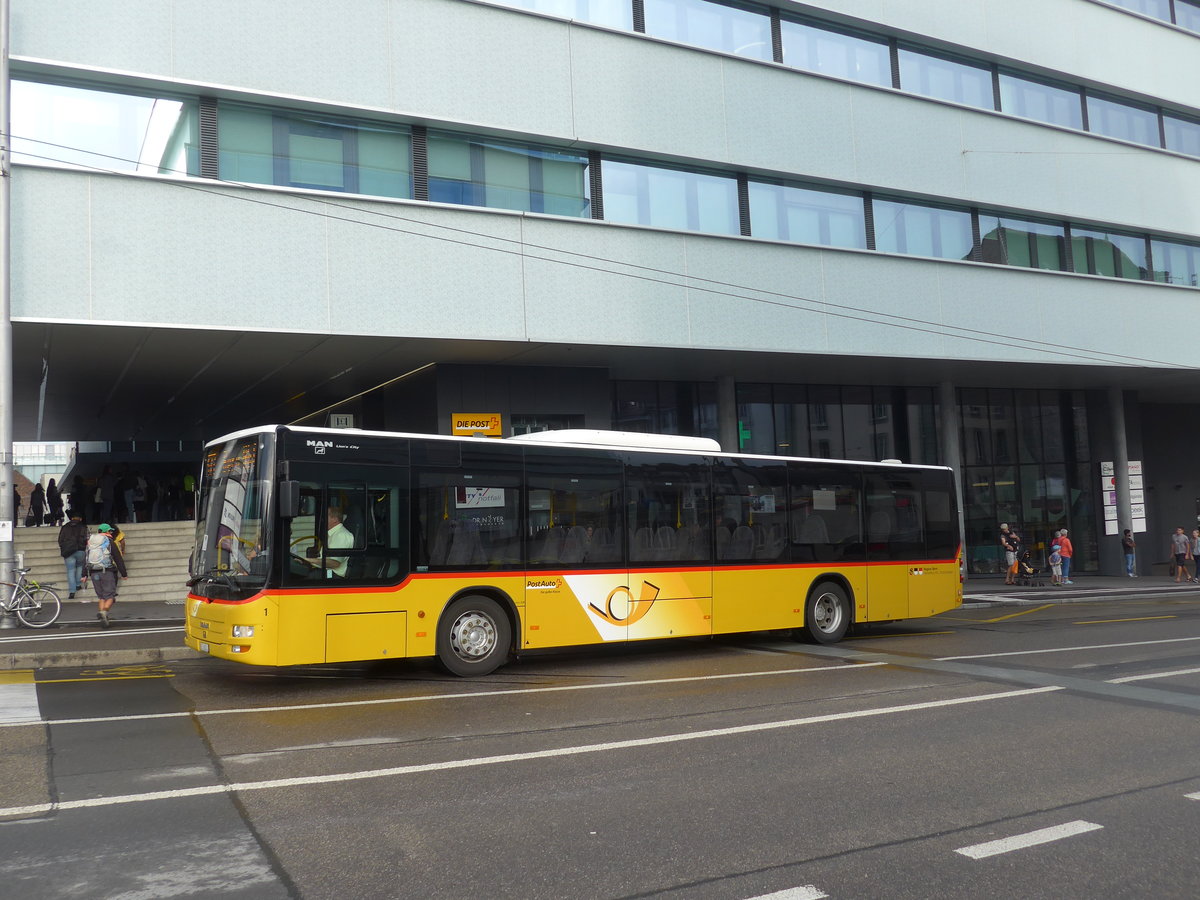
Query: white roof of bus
column 589, row 437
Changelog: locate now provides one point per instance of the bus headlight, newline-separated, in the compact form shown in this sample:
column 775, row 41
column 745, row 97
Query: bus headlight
column 243, row 631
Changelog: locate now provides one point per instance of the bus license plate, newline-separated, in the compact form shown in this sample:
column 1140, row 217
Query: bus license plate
column 204, row 648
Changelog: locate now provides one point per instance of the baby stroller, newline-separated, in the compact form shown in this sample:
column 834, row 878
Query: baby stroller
column 1028, row 574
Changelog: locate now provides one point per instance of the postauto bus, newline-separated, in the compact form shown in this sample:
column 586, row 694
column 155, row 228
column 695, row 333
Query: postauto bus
column 317, row 545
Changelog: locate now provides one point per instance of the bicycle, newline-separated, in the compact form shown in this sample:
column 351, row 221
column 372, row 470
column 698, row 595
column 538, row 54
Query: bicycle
column 35, row 604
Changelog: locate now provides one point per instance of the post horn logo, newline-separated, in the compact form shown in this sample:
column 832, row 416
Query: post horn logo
column 634, row 609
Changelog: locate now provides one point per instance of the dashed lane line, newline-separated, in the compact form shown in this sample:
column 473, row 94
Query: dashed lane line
column 477, row 762
column 465, row 695
column 804, row 892
column 1128, row 678
column 1029, row 839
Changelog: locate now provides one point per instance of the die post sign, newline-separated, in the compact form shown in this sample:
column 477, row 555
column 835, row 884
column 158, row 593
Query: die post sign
column 468, row 424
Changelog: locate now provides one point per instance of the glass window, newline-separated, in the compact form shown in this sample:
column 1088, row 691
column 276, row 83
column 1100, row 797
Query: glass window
column 599, row 12
column 946, row 79
column 895, row 521
column 922, row 230
column 670, row 198
column 1187, row 15
column 836, row 53
column 1159, row 9
column 825, row 421
column 806, row 216
column 1041, row 101
column 668, row 511
column 53, row 123
column 1120, row 120
column 734, row 28
column 1183, row 135
column 1176, row 263
column 756, row 425
column 791, row 420
column 1105, row 253
column 750, row 511
column 824, row 513
column 941, row 514
column 573, row 510
column 467, row 508
column 265, row 146
column 479, row 172
column 1020, row 242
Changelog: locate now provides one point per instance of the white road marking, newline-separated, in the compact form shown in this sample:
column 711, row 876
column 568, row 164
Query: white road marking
column 19, row 702
column 1030, row 839
column 477, row 762
column 38, row 638
column 805, row 892
column 1195, row 796
column 1129, row 678
column 1067, row 649
column 461, row 696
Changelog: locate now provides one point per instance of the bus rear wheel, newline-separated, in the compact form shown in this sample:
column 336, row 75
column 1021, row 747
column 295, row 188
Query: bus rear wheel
column 826, row 614
column 474, row 636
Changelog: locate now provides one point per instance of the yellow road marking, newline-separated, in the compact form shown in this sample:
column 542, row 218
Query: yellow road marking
column 1023, row 612
column 1107, row 621
column 16, row 676
column 875, row 637
column 103, row 678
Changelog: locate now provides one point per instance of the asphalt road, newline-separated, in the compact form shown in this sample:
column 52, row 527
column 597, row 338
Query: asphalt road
column 992, row 752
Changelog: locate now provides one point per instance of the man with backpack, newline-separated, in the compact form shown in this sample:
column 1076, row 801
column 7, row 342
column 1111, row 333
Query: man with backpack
column 102, row 564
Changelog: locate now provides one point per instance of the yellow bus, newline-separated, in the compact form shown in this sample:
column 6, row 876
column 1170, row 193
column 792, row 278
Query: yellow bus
column 318, row 545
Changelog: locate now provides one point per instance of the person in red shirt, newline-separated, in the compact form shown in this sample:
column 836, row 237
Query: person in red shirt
column 1066, row 550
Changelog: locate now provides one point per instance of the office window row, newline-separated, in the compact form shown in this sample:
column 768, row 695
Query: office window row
column 759, row 32
column 1184, row 13
column 117, row 131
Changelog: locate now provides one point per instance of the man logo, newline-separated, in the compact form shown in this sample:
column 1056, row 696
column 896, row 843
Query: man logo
column 319, row 446
column 633, row 611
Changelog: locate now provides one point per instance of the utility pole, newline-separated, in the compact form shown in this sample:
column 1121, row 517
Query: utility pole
column 8, row 556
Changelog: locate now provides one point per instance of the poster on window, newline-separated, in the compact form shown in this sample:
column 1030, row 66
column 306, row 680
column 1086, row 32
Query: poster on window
column 478, row 497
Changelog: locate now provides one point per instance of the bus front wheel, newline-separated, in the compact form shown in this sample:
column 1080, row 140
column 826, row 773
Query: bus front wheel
column 826, row 614
column 474, row 636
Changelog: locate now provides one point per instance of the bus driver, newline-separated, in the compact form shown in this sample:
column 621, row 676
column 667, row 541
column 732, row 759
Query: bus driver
column 337, row 537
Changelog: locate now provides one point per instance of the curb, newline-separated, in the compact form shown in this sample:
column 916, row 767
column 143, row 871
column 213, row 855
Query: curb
column 76, row 658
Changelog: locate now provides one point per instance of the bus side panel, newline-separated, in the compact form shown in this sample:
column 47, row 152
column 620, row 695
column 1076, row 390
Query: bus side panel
column 567, row 610
column 670, row 604
column 759, row 599
column 887, row 591
column 934, row 588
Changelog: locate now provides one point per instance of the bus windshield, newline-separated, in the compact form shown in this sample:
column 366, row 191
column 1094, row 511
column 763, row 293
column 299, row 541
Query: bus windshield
column 233, row 536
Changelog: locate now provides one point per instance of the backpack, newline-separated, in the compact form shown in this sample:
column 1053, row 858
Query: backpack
column 99, row 553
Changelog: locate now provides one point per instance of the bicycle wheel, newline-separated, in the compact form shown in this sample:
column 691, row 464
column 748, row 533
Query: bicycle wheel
column 38, row 608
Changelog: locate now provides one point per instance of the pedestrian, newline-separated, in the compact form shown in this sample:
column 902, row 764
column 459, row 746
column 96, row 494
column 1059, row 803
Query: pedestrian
column 1194, row 551
column 72, row 544
column 106, row 494
column 1010, row 543
column 37, row 504
column 104, row 562
column 1129, row 545
column 1067, row 551
column 16, row 506
column 54, row 501
column 1180, row 550
column 1055, row 560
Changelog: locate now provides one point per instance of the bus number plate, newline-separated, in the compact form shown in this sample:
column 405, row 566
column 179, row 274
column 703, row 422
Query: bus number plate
column 204, row 648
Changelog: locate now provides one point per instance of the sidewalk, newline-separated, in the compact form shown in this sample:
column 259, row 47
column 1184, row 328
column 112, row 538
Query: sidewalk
column 992, row 591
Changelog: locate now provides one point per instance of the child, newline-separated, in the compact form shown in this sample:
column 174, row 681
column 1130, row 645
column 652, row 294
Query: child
column 1055, row 565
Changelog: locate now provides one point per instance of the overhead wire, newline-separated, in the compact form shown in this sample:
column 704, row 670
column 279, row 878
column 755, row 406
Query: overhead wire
column 591, row 262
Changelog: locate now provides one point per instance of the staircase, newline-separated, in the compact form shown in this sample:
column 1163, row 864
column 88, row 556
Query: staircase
column 156, row 555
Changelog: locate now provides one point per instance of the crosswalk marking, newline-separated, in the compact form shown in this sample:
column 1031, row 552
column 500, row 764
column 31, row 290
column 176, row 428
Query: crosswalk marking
column 18, row 697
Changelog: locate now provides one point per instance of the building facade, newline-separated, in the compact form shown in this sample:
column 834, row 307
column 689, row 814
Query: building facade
column 949, row 232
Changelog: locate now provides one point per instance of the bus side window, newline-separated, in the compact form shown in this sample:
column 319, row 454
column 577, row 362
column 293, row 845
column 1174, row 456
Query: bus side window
column 824, row 514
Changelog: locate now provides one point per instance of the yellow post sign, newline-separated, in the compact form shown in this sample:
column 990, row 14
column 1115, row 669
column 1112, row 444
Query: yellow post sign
column 467, row 424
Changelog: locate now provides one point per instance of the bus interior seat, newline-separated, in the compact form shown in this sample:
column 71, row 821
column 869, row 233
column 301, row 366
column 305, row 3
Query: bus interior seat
column 643, row 545
column 441, row 543
column 574, row 546
column 879, row 528
column 741, row 545
column 665, row 543
column 551, row 546
column 601, row 548
column 466, row 549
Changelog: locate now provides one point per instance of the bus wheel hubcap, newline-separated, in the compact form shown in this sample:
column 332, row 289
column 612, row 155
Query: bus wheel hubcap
column 473, row 636
column 828, row 612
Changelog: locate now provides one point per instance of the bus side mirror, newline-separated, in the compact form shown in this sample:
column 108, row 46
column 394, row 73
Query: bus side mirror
column 289, row 499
